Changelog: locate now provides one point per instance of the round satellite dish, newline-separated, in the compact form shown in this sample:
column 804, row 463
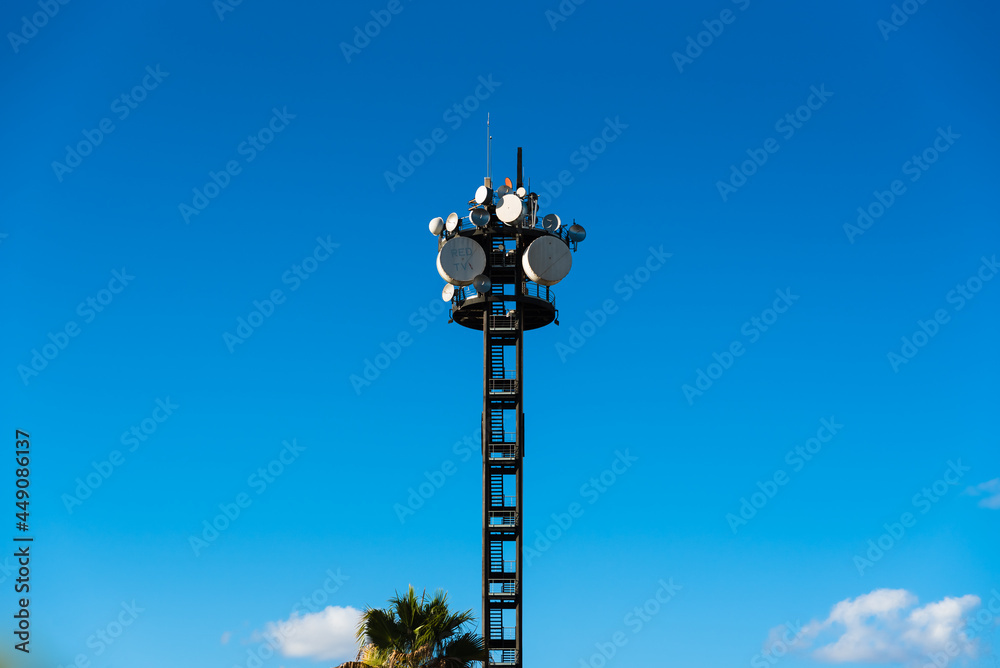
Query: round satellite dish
column 460, row 260
column 503, row 190
column 483, row 195
column 551, row 222
column 452, row 223
column 547, row 260
column 480, row 217
column 576, row 232
column 521, row 192
column 448, row 292
column 482, row 284
column 436, row 225
column 511, row 209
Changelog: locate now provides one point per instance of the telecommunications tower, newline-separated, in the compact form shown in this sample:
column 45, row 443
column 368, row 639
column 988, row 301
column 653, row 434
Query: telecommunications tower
column 499, row 262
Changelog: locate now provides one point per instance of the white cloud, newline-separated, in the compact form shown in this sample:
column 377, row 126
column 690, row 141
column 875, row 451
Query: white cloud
column 992, row 490
column 325, row 635
column 225, row 637
column 886, row 626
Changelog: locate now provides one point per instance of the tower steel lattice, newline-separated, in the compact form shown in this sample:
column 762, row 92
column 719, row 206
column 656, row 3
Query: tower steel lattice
column 503, row 293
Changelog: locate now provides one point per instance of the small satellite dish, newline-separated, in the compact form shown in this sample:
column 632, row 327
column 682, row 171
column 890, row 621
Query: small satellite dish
column 460, row 260
column 482, row 284
column 547, row 260
column 576, row 232
column 452, row 223
column 551, row 222
column 521, row 192
column 480, row 217
column 436, row 225
column 504, row 189
column 448, row 292
column 483, row 195
column 511, row 209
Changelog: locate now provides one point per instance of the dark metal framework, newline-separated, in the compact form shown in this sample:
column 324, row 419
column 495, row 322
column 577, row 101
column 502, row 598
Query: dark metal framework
column 503, row 311
column 512, row 306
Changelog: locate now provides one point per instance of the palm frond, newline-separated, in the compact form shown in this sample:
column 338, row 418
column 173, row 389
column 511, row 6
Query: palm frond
column 417, row 632
column 465, row 648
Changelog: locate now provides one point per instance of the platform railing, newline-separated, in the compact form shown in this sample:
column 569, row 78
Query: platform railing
column 502, row 450
column 532, row 289
column 503, row 586
column 503, row 518
column 502, row 385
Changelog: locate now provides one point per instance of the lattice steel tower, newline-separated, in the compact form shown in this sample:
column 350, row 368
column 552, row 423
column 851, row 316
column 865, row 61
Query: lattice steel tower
column 499, row 263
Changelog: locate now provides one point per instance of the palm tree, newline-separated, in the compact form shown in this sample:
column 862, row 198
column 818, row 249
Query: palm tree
column 417, row 633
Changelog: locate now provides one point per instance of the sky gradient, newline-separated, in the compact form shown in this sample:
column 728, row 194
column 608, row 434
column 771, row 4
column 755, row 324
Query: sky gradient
column 772, row 393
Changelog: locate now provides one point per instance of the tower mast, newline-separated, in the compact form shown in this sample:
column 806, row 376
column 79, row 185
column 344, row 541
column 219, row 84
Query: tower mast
column 499, row 264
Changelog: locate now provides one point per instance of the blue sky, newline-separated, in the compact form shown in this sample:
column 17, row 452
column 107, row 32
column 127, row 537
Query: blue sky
column 214, row 215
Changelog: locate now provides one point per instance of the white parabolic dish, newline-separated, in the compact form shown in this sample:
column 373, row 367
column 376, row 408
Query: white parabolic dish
column 460, row 260
column 547, row 260
column 511, row 208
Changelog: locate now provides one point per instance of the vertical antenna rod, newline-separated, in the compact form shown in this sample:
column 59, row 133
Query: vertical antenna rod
column 489, row 159
column 519, row 179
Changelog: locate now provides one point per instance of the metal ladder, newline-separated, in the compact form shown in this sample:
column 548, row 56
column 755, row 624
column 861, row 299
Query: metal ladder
column 502, row 454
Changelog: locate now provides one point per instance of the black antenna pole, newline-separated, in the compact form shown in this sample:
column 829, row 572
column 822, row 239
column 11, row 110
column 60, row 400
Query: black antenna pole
column 519, row 179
